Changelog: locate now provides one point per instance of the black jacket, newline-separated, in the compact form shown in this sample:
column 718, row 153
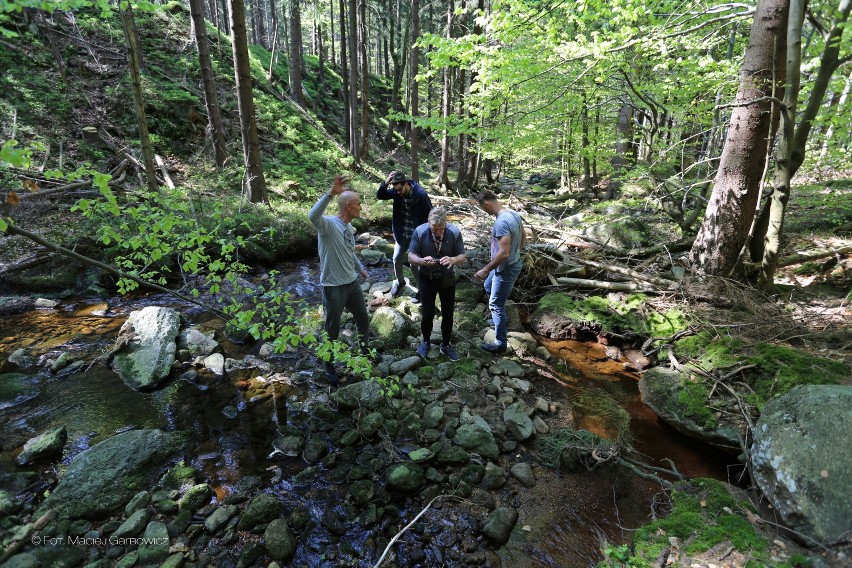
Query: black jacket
column 422, row 206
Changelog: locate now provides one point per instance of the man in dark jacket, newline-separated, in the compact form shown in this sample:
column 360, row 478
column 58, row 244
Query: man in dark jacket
column 411, row 206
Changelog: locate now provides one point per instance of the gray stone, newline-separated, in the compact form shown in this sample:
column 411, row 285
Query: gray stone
column 541, row 351
column 280, row 544
column 196, row 497
column 660, row 389
column 362, row 492
column 60, row 363
column 260, row 510
column 474, row 438
column 483, row 498
column 370, row 424
column 499, row 524
column 540, row 425
column 150, row 351
column 452, row 456
column 517, row 421
column 197, row 343
column 421, row 455
column 155, row 547
column 494, row 478
column 410, row 379
column 134, row 524
column 373, row 257
column 9, row 504
column 289, row 444
column 541, row 405
column 43, row 445
column 523, row 472
column 315, row 449
column 22, row 360
column 173, row 561
column 366, row 394
column 404, row 365
column 391, row 326
column 24, row 560
column 405, row 476
column 45, row 304
column 433, row 416
column 445, row 371
column 802, row 464
column 518, row 384
column 215, row 363
column 511, row 368
column 139, row 501
column 107, row 475
column 219, row 518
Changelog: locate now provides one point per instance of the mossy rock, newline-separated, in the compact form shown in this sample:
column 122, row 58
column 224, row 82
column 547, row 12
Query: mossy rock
column 570, row 451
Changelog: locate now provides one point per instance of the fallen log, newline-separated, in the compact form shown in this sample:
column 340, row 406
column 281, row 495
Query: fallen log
column 813, row 255
column 605, row 285
column 660, row 282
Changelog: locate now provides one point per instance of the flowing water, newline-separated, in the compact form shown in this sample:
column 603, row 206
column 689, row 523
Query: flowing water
column 564, row 518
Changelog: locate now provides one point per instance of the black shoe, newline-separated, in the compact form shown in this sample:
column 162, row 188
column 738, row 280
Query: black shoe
column 494, row 347
column 450, row 351
column 332, row 377
column 416, row 298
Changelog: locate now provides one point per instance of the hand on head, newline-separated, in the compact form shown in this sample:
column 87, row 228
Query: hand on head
column 390, row 176
column 339, row 184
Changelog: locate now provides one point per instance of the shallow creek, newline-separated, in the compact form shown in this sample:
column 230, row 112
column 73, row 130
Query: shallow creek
column 563, row 518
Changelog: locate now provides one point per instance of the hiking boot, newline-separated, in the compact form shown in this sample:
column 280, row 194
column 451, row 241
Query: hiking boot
column 494, row 347
column 423, row 349
column 397, row 288
column 416, row 298
column 450, row 351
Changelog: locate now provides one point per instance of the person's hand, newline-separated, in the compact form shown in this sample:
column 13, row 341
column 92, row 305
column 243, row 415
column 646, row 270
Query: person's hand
column 481, row 274
column 364, row 275
column 390, row 176
column 447, row 261
column 339, row 184
column 427, row 260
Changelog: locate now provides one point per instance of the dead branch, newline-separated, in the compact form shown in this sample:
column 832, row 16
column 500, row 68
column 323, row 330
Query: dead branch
column 166, row 177
column 604, row 285
column 813, row 255
column 678, row 246
column 79, row 184
column 405, row 528
column 15, row 230
column 642, row 473
column 659, row 282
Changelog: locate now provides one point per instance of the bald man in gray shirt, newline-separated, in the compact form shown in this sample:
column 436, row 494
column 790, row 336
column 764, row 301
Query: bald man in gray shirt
column 339, row 266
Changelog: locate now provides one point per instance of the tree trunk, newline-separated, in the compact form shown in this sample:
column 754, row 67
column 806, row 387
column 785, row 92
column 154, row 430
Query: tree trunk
column 344, row 66
column 400, row 59
column 365, row 81
column 255, row 183
column 584, row 143
column 624, row 138
column 415, row 92
column 208, row 80
column 295, row 64
column 133, row 60
column 333, row 59
column 736, row 190
column 274, row 14
column 783, row 155
column 354, row 143
column 444, row 166
column 841, row 102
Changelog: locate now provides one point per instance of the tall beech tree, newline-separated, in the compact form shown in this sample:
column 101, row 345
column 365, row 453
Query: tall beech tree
column 134, row 61
column 255, row 182
column 736, row 188
column 211, row 100
column 295, row 61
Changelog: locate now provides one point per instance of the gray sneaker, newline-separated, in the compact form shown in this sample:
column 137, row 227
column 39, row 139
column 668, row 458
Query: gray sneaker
column 423, row 349
column 450, row 351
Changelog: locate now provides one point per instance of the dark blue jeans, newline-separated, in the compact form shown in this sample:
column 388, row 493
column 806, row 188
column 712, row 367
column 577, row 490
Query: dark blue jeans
column 498, row 286
column 428, row 294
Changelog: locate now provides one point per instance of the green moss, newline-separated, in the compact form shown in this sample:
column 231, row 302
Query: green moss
column 693, row 398
column 710, row 351
column 466, row 367
column 616, row 313
column 704, row 513
column 178, row 475
column 596, row 402
column 425, row 372
column 782, row 368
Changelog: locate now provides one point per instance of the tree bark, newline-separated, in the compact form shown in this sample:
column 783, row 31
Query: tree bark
column 211, row 100
column 255, row 182
column 624, row 138
column 295, row 64
column 444, row 166
column 344, row 67
column 365, row 81
column 354, row 143
column 415, row 91
column 784, row 152
column 736, row 190
column 133, row 59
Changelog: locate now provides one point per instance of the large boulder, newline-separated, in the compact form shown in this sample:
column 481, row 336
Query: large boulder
column 105, row 477
column 366, row 394
column 150, row 335
column 663, row 390
column 391, row 326
column 473, row 437
column 802, row 461
column 46, row 444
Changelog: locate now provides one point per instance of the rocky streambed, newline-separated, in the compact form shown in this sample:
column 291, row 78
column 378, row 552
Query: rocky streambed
column 238, row 456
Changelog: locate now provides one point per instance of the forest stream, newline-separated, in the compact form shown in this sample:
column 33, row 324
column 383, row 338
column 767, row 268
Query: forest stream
column 564, row 518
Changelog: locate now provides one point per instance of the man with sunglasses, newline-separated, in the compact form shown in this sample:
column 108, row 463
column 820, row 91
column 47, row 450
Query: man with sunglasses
column 411, row 206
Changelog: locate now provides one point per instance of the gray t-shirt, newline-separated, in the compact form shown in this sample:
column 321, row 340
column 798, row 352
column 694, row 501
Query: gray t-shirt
column 338, row 263
column 507, row 223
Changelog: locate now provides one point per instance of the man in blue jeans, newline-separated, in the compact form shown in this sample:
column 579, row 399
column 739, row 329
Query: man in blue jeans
column 507, row 240
column 339, row 266
column 411, row 206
